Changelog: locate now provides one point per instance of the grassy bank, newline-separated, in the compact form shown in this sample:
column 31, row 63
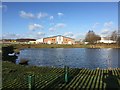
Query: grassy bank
column 50, row 78
column 21, row 46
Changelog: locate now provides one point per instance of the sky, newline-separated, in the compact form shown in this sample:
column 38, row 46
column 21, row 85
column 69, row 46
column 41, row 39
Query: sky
column 45, row 19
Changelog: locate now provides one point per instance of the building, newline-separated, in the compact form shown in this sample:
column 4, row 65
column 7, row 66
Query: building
column 106, row 40
column 39, row 41
column 8, row 41
column 58, row 40
column 26, row 41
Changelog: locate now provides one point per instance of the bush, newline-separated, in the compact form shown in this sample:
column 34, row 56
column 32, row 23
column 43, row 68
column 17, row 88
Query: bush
column 7, row 50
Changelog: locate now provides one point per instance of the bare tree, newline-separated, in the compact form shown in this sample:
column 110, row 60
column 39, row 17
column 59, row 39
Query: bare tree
column 91, row 37
column 118, row 40
column 114, row 36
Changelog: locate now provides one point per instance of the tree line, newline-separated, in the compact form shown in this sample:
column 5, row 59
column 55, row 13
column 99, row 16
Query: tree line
column 92, row 38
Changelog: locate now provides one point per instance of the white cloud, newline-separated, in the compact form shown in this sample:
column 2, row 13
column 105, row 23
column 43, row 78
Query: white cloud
column 34, row 35
column 108, row 24
column 57, row 26
column 26, row 15
column 51, row 17
column 68, row 34
column 105, row 32
column 52, row 29
column 41, row 33
column 76, row 36
column 60, row 14
column 79, row 36
column 60, row 25
column 31, row 15
column 42, row 15
column 10, row 36
column 35, row 27
column 3, row 7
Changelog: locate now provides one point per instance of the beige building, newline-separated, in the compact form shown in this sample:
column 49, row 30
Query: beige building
column 59, row 40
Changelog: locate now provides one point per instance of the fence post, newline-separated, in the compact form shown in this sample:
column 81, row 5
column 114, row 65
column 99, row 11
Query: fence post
column 31, row 82
column 66, row 73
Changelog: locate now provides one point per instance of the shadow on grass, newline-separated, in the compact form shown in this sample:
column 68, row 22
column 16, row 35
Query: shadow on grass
column 60, row 83
column 111, row 81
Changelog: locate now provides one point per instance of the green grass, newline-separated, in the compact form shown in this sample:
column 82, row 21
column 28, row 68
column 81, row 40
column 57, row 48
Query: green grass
column 16, row 77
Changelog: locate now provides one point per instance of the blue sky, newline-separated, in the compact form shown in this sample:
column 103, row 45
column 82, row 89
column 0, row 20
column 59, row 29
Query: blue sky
column 44, row 19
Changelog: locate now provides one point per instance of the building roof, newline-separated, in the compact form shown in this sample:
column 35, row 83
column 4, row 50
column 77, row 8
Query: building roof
column 58, row 35
column 25, row 40
column 8, row 39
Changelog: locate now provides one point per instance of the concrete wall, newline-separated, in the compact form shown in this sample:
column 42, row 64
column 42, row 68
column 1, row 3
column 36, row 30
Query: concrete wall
column 39, row 40
column 59, row 39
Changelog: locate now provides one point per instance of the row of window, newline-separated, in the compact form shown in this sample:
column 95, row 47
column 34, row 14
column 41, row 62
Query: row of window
column 60, row 39
column 53, row 39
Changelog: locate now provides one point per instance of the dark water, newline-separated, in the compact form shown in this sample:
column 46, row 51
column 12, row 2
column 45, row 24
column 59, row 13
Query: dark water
column 72, row 57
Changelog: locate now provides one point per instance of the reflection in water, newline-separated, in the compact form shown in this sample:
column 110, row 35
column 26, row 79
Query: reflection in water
column 72, row 57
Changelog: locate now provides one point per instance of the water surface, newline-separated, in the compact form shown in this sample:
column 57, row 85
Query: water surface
column 72, row 57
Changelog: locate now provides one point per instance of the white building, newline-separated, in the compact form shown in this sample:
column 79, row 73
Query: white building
column 105, row 40
column 39, row 41
column 32, row 42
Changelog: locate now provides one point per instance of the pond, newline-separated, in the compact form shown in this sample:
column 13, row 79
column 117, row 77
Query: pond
column 72, row 57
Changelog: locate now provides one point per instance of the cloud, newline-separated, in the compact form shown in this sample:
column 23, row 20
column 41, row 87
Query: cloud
column 51, row 17
column 76, row 36
column 108, row 29
column 34, row 35
column 79, row 36
column 108, row 24
column 3, row 7
column 42, row 15
column 68, row 34
column 105, row 31
column 52, row 29
column 57, row 26
column 60, row 25
column 10, row 36
column 24, row 14
column 60, row 14
column 41, row 33
column 35, row 27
